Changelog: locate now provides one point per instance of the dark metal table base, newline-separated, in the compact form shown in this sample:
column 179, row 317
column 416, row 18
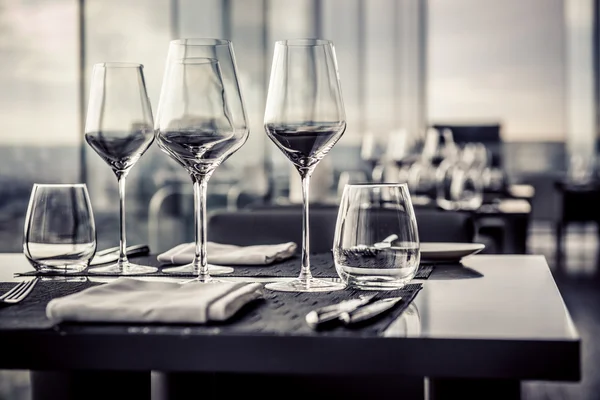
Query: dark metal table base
column 474, row 389
column 90, row 385
column 188, row 386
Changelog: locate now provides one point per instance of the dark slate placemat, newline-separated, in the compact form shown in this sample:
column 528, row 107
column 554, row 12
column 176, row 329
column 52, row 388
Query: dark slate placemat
column 321, row 267
column 277, row 313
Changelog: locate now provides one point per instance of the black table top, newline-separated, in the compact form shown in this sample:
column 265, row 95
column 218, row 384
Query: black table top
column 494, row 317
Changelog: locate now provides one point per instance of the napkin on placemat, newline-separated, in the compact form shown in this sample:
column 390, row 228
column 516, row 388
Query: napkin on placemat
column 128, row 300
column 228, row 254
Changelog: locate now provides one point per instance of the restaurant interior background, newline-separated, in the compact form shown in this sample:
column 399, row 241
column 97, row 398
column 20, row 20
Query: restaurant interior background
column 528, row 66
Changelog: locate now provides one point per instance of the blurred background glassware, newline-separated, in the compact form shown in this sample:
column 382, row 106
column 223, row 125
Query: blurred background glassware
column 449, row 149
column 581, row 169
column 194, row 126
column 376, row 242
column 396, row 158
column 458, row 186
column 466, row 188
column 431, row 146
column 445, row 198
column 372, row 154
column 305, row 117
column 60, row 233
column 119, row 127
column 421, row 178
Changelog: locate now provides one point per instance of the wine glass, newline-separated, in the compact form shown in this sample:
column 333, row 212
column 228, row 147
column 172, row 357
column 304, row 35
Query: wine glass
column 304, row 117
column 222, row 51
column 195, row 127
column 119, row 128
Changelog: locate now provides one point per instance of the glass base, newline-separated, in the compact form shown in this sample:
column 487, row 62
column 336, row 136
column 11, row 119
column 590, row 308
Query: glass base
column 126, row 269
column 300, row 285
column 377, row 283
column 188, row 269
column 59, row 270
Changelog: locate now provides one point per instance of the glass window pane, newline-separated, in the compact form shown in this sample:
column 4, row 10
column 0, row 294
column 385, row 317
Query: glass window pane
column 345, row 39
column 379, row 86
column 39, row 105
column 500, row 61
column 199, row 18
column 130, row 31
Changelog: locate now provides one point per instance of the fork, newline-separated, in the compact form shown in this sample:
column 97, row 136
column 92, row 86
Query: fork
column 19, row 292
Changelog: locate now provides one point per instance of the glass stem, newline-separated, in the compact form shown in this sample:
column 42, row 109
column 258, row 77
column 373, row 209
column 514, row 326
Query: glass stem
column 122, row 177
column 200, row 262
column 305, row 274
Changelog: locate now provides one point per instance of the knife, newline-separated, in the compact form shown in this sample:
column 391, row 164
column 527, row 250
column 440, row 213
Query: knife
column 112, row 254
column 369, row 311
column 323, row 315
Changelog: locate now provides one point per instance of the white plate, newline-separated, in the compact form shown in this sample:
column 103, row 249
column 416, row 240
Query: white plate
column 438, row 251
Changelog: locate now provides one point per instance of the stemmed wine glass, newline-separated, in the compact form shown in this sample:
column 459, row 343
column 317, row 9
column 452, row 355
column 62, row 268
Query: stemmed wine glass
column 222, row 51
column 195, row 127
column 119, row 127
column 305, row 117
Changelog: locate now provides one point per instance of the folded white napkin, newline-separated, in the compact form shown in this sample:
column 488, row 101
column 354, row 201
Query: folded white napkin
column 133, row 300
column 228, row 254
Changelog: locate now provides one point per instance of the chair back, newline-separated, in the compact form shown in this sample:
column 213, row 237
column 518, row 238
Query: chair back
column 279, row 224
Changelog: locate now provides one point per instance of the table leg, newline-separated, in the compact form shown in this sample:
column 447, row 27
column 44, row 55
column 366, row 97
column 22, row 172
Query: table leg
column 90, row 385
column 188, row 386
column 473, row 389
column 559, row 244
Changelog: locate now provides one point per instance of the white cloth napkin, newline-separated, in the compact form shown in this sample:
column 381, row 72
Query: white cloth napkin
column 136, row 301
column 228, row 254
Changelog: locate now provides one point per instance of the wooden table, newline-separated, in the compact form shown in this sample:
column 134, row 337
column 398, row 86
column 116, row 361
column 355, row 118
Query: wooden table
column 474, row 331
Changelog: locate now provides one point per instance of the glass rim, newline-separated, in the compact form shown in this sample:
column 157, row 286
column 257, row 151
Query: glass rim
column 112, row 64
column 376, row 185
column 57, row 185
column 200, row 42
column 305, row 42
column 196, row 60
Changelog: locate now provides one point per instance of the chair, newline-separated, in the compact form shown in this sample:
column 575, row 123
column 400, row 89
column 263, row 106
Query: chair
column 277, row 224
column 578, row 204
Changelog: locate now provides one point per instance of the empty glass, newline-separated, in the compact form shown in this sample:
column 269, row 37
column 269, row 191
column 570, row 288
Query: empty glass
column 118, row 127
column 195, row 128
column 305, row 118
column 201, row 121
column 60, row 234
column 376, row 243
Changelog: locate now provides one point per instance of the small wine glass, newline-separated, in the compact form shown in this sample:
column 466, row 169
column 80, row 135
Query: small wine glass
column 195, row 128
column 119, row 127
column 305, row 118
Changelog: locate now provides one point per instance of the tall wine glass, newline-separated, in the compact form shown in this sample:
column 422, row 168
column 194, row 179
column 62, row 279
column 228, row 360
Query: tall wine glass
column 222, row 51
column 195, row 128
column 119, row 128
column 305, row 117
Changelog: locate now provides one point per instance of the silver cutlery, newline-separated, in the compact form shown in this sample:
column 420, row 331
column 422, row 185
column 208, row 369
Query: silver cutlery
column 112, row 254
column 323, row 315
column 369, row 311
column 19, row 292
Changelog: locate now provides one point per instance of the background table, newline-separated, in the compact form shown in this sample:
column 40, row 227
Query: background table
column 475, row 331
